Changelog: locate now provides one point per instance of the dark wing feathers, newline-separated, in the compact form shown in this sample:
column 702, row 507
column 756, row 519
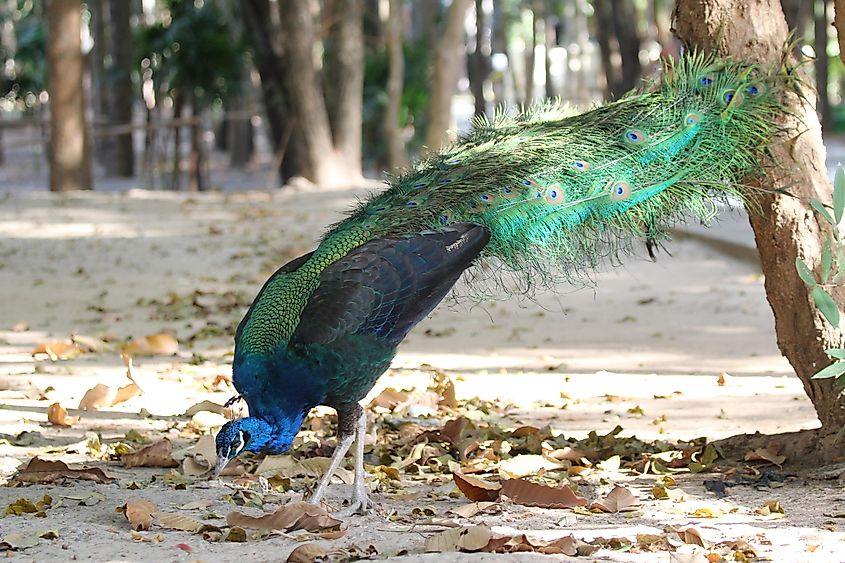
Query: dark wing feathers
column 386, row 286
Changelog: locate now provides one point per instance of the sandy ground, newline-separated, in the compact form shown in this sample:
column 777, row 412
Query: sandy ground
column 650, row 335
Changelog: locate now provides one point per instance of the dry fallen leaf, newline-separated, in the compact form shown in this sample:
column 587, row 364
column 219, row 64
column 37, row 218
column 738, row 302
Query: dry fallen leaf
column 158, row 454
column 57, row 349
column 471, row 509
column 90, row 343
column 476, row 489
column 101, row 396
column 57, row 416
column 770, row 453
column 293, row 516
column 527, row 493
column 288, row 467
column 473, row 538
column 178, row 522
column 306, row 553
column 210, row 406
column 45, row 471
column 527, row 464
column 390, row 398
column 771, row 508
column 139, row 513
column 619, row 499
column 161, row 344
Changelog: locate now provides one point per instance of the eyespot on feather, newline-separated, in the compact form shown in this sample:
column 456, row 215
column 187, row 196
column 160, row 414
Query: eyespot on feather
column 555, row 195
column 508, row 192
column 731, row 97
column 634, row 137
column 691, row 120
column 706, row 80
column 487, row 199
column 755, row 90
column 581, row 165
column 620, row 190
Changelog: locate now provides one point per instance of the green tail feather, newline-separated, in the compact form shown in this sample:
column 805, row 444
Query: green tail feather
column 558, row 193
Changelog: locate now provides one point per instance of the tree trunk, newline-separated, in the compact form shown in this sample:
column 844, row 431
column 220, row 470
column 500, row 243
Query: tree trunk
column 625, row 23
column 70, row 159
column 319, row 161
column 178, row 107
column 530, row 60
column 787, row 227
column 478, row 66
column 499, row 46
column 839, row 22
column 239, row 133
column 344, row 79
column 550, row 34
column 397, row 156
column 263, row 30
column 444, row 77
column 119, row 157
column 603, row 25
column 822, row 62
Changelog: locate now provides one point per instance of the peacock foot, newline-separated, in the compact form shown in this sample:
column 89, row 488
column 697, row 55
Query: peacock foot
column 358, row 506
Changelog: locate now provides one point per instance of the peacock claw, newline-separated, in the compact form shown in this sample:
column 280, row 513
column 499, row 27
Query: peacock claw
column 357, row 507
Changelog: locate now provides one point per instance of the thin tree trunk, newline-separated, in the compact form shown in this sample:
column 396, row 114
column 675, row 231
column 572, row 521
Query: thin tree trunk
column 822, row 63
column 263, row 30
column 320, row 163
column 70, row 159
column 550, row 34
column 625, row 23
column 119, row 95
column 446, row 57
column 239, row 134
column 603, row 24
column 397, row 156
column 530, row 60
column 178, row 107
column 344, row 87
column 787, row 227
column 478, row 67
column 499, row 45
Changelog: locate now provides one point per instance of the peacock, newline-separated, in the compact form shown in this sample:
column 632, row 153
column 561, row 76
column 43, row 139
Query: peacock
column 542, row 195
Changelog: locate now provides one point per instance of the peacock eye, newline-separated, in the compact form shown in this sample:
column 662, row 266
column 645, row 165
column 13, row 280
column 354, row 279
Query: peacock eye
column 706, row 81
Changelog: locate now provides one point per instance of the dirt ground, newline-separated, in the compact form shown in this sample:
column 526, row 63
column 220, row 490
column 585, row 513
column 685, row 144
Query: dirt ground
column 674, row 350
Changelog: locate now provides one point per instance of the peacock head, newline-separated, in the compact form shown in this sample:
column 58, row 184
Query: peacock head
column 250, row 434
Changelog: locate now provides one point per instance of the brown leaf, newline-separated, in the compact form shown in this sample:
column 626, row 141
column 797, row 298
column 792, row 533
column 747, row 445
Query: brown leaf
column 476, row 489
column 473, row 538
column 161, row 344
column 390, row 398
column 770, row 453
column 89, row 343
column 57, row 415
column 56, row 349
column 293, row 516
column 688, row 535
column 524, row 465
column 210, row 406
column 97, row 397
column 158, row 454
column 471, row 509
column 139, row 513
column 45, row 471
column 179, row 522
column 619, row 499
column 527, row 493
column 306, row 553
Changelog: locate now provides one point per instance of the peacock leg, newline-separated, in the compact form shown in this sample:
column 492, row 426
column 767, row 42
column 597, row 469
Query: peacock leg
column 360, row 502
column 345, row 440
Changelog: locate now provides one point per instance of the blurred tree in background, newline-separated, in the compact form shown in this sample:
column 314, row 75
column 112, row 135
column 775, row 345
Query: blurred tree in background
column 333, row 89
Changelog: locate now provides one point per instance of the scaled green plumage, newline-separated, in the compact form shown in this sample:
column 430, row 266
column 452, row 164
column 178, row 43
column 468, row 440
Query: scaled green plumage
column 560, row 193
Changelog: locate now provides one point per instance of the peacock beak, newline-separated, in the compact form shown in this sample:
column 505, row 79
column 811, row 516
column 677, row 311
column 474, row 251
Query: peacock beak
column 222, row 462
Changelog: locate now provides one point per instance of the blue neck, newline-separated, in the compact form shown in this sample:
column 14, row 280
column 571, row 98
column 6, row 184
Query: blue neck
column 271, row 437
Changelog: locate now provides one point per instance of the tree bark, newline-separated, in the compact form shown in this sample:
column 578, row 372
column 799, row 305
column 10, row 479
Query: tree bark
column 839, row 22
column 787, row 228
column 119, row 157
column 344, row 79
column 446, row 57
column 263, row 30
column 320, row 162
column 625, row 23
column 822, row 62
column 531, row 59
column 70, row 159
column 478, row 66
column 397, row 156
column 603, row 24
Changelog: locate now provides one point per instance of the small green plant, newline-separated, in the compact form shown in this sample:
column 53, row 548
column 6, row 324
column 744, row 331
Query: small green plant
column 831, row 272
